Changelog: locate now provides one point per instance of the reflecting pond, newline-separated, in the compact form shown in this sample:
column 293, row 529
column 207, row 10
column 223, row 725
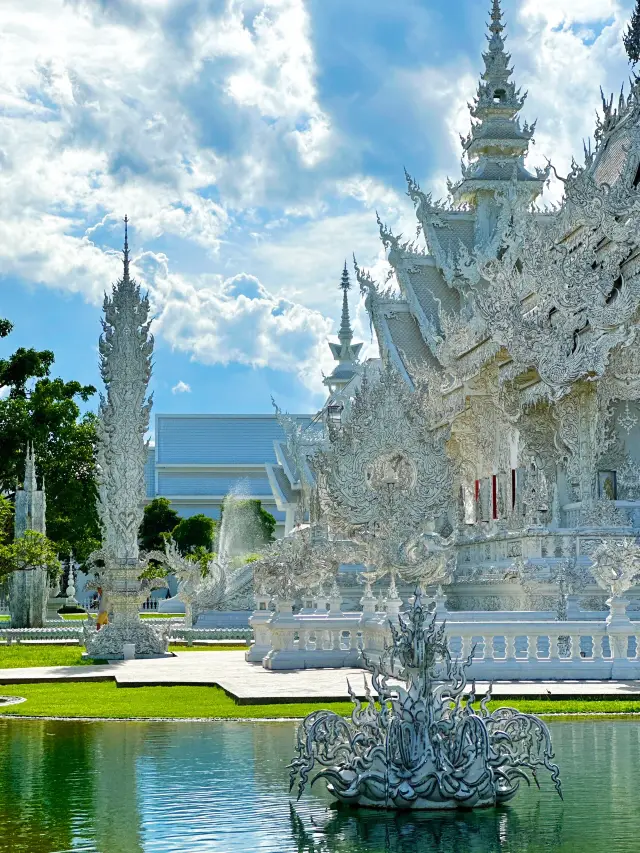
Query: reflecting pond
column 223, row 787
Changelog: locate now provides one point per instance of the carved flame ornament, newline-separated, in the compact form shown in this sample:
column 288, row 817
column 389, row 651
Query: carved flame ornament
column 383, row 463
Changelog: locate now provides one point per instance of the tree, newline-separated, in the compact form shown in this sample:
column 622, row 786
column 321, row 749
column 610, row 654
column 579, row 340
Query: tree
column 631, row 38
column 32, row 550
column 6, row 520
column 159, row 520
column 45, row 411
column 194, row 532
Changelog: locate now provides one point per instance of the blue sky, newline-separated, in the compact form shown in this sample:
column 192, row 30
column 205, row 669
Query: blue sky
column 250, row 143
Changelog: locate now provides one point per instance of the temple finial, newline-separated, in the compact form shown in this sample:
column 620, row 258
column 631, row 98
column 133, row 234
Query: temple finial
column 345, row 282
column 30, row 484
column 497, row 145
column 126, row 248
column 346, row 332
column 346, row 352
column 496, row 25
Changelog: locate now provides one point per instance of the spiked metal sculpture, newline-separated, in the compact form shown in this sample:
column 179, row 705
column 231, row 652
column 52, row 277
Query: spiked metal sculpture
column 422, row 748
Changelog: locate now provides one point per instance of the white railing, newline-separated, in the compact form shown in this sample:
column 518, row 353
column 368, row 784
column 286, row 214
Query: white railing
column 91, row 602
column 501, row 649
column 73, row 630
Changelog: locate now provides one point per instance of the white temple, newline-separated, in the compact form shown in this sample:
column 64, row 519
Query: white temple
column 504, row 412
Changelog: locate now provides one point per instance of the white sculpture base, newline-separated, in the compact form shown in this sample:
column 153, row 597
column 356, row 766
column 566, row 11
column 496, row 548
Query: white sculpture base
column 109, row 642
column 53, row 605
column 285, row 659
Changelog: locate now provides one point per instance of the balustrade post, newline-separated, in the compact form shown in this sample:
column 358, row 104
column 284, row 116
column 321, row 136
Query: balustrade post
column 489, row 653
column 368, row 602
column 466, row 646
column 575, row 647
column 619, row 628
column 554, row 651
column 596, row 646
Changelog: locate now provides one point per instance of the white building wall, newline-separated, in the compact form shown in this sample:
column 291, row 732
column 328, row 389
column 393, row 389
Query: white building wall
column 198, row 459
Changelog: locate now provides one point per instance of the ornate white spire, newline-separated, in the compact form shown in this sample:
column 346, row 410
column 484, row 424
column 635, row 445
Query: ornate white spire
column 345, row 353
column 30, row 482
column 125, row 355
column 30, row 503
column 126, row 347
column 496, row 147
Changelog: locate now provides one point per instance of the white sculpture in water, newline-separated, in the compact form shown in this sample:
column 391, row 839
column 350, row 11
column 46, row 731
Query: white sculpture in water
column 425, row 746
column 126, row 346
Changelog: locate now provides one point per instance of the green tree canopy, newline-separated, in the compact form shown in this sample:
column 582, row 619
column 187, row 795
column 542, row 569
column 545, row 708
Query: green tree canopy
column 46, row 412
column 6, row 520
column 160, row 518
column 631, row 38
column 194, row 532
column 30, row 551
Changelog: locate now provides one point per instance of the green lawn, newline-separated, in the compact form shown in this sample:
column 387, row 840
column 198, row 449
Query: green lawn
column 18, row 655
column 104, row 699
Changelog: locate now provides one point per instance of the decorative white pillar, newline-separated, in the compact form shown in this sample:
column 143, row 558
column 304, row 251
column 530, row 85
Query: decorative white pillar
column 29, row 588
column 126, row 348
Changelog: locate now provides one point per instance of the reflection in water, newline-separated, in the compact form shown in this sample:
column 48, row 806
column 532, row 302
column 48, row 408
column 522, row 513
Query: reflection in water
column 223, row 788
column 116, row 816
column 46, row 782
column 343, row 830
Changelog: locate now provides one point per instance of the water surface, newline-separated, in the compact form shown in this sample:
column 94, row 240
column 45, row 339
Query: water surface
column 223, row 788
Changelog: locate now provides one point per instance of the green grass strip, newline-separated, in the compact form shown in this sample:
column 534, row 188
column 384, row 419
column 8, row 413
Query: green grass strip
column 106, row 700
column 19, row 655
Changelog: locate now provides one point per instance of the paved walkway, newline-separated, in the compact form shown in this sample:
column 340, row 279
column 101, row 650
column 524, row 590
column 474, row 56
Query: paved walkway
column 251, row 684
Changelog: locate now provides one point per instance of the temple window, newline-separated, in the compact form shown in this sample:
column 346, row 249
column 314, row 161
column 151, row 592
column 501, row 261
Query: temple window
column 499, row 96
column 636, row 180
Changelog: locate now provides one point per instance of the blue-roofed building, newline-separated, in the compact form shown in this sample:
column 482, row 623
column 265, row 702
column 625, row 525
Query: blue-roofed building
column 197, row 460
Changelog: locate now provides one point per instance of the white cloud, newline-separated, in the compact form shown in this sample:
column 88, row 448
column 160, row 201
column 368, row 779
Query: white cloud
column 98, row 122
column 566, row 50
column 204, row 122
column 181, row 388
column 238, row 320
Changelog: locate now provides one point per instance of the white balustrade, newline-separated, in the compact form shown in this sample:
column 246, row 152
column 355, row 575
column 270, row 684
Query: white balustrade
column 536, row 650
